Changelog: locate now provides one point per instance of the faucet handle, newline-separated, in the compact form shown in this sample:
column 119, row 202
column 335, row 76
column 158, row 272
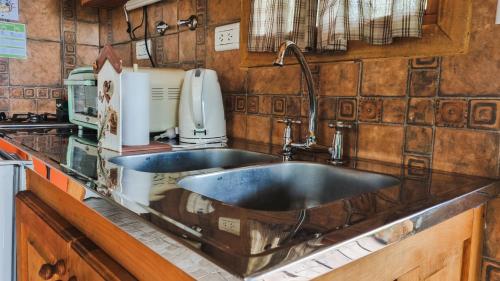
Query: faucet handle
column 340, row 125
column 289, row 121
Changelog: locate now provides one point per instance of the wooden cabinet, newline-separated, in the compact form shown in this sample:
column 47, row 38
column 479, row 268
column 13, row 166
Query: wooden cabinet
column 49, row 248
column 449, row 251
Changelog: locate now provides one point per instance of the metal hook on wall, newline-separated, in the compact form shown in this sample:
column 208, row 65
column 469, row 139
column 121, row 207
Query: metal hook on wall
column 191, row 22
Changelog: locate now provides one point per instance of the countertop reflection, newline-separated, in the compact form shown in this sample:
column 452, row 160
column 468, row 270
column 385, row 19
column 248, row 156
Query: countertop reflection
column 251, row 243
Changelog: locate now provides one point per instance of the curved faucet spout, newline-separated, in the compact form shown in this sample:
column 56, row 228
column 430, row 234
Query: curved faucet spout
column 313, row 105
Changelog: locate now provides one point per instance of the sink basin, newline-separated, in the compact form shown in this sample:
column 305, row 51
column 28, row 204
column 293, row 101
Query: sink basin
column 285, row 186
column 191, row 160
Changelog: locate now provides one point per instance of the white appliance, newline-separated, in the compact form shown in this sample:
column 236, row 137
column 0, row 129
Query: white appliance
column 12, row 173
column 201, row 110
column 166, row 86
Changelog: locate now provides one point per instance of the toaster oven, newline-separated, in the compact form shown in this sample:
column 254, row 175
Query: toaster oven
column 166, row 84
column 82, row 97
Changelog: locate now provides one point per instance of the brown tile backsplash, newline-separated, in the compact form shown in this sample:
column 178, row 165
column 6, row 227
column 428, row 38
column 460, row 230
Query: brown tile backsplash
column 451, row 113
column 384, row 77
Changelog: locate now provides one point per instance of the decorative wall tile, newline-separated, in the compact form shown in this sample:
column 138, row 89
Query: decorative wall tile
column 46, row 106
column 265, row 104
column 42, row 18
column 22, row 105
column 4, row 79
column 484, row 114
column 87, row 33
column 29, row 93
column 170, row 48
column 370, row 109
column 293, row 106
column 326, row 108
column 430, row 62
column 419, row 139
column 56, row 93
column 451, row 113
column 380, row 142
column 346, row 109
column 424, row 83
column 394, row 110
column 187, row 43
column 253, row 104
column 68, row 11
column 421, row 111
column 466, row 151
column 259, row 128
column 86, row 55
column 339, row 79
column 384, row 77
column 223, row 11
column 42, row 93
column 237, row 125
column 16, row 92
column 240, row 104
column 272, row 80
column 279, row 105
column 4, row 66
column 229, row 103
column 4, row 105
column 4, row 92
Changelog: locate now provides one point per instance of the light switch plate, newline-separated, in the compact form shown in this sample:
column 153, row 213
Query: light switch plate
column 227, row 37
column 140, row 50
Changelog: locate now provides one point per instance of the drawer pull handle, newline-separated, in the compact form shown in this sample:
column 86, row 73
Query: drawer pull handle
column 47, row 271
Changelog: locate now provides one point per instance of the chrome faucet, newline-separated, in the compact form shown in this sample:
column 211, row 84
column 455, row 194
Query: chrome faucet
column 337, row 149
column 313, row 105
column 288, row 138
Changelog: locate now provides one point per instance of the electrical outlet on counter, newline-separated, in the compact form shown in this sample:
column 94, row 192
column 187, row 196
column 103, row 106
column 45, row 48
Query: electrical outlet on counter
column 227, row 37
column 140, row 50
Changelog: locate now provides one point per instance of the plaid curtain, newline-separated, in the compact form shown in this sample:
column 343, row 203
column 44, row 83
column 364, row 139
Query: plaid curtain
column 274, row 21
column 376, row 22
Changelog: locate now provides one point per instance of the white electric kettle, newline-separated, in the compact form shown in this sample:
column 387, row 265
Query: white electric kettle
column 201, row 110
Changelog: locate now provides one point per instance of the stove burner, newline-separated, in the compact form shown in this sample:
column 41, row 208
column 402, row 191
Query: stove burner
column 33, row 118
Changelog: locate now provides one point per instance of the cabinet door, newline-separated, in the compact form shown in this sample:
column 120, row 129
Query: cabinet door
column 90, row 263
column 43, row 241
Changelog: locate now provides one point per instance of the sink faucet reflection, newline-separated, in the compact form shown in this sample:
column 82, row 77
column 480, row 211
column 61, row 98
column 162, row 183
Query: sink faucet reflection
column 313, row 106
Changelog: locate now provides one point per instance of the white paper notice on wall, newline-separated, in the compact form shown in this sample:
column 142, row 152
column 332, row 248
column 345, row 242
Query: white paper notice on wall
column 498, row 13
column 13, row 40
column 9, row 10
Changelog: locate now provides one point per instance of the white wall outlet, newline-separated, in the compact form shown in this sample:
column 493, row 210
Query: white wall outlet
column 140, row 50
column 227, row 37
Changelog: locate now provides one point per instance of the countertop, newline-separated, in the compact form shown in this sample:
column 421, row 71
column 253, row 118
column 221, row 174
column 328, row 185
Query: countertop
column 212, row 240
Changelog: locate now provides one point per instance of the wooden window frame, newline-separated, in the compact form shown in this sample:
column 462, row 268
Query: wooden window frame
column 446, row 31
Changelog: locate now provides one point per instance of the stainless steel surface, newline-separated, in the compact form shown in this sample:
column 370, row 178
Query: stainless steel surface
column 247, row 244
column 191, row 160
column 191, row 22
column 337, row 149
column 288, row 138
column 313, row 104
column 285, row 186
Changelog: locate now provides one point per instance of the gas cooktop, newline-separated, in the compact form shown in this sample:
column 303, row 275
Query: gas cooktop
column 32, row 120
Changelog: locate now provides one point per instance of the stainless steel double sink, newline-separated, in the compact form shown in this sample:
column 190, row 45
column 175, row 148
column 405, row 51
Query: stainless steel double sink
column 258, row 181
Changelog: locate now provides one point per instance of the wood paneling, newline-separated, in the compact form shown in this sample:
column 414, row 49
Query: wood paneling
column 449, row 251
column 139, row 260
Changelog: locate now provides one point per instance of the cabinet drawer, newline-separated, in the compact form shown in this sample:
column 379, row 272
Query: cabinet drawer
column 43, row 241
